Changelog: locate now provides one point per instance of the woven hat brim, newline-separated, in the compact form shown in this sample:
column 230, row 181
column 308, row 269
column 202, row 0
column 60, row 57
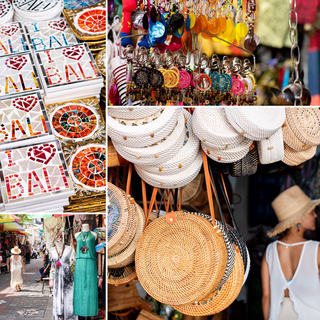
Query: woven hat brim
column 291, row 221
column 15, row 251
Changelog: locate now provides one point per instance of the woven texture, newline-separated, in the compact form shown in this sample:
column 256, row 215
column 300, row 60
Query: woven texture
column 126, row 256
column 217, row 167
column 219, row 300
column 291, row 139
column 247, row 165
column 118, row 215
column 259, row 123
column 180, row 263
column 293, row 158
column 271, row 149
column 132, row 112
column 211, row 124
column 123, row 275
column 305, row 124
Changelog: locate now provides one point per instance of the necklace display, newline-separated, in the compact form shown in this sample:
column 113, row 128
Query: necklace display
column 84, row 249
column 58, row 264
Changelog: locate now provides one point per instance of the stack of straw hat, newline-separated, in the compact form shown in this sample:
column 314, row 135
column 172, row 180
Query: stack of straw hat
column 159, row 141
column 301, row 134
column 126, row 221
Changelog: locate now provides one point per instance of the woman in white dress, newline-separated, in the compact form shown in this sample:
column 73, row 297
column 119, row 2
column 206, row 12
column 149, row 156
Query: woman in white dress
column 16, row 265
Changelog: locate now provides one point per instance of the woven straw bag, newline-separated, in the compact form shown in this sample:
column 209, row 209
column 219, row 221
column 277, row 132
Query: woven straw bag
column 126, row 256
column 271, row 149
column 179, row 258
column 150, row 131
column 217, row 167
column 259, row 123
column 157, row 153
column 228, row 155
column 132, row 112
column 305, row 124
column 114, row 159
column 294, row 158
column 172, row 181
column 123, row 275
column 118, row 215
column 211, row 124
column 246, row 166
column 183, row 159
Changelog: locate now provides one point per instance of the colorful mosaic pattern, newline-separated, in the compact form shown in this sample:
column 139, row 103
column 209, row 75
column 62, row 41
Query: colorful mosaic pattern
column 4, row 8
column 22, row 117
column 88, row 166
column 12, row 39
column 113, row 215
column 18, row 74
column 91, row 21
column 74, row 121
column 79, row 4
column 36, row 5
column 67, row 65
column 50, row 34
column 32, row 171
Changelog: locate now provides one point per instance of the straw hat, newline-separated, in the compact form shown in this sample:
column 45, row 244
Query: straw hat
column 291, row 206
column 15, row 250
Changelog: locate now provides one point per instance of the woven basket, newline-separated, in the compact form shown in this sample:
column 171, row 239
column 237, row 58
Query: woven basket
column 217, row 167
column 183, row 159
column 114, row 159
column 247, row 267
column 211, row 124
column 182, row 262
column 144, row 134
column 259, row 123
column 132, row 112
column 246, row 166
column 148, row 315
column 228, row 155
column 305, row 124
column 123, row 275
column 271, row 149
column 157, row 153
column 220, row 299
column 126, row 256
column 291, row 140
column 294, row 158
column 118, row 215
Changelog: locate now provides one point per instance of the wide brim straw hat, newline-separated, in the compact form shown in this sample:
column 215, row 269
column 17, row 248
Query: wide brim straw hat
column 183, row 159
column 294, row 158
column 305, row 124
column 132, row 112
column 211, row 124
column 15, row 250
column 259, row 123
column 291, row 207
column 271, row 149
column 159, row 152
column 145, row 131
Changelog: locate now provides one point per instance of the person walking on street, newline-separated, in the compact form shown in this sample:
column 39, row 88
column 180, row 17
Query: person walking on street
column 8, row 258
column 28, row 252
column 16, row 265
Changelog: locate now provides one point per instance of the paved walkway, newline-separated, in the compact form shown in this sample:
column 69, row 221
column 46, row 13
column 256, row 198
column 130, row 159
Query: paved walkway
column 29, row 303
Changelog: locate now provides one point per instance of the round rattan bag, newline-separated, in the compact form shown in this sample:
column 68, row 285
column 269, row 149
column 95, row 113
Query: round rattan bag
column 180, row 262
column 123, row 275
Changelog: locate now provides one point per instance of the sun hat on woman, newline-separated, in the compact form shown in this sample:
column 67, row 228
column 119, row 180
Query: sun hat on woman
column 15, row 250
column 291, row 206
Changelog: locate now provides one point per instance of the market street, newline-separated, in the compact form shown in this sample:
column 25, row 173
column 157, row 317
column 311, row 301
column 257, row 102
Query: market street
column 29, row 303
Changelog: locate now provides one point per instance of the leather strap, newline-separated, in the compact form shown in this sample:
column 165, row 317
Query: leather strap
column 171, row 217
column 129, row 179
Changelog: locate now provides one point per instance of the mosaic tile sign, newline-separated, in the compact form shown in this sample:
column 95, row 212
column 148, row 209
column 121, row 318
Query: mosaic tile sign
column 35, row 172
column 68, row 65
column 12, row 39
column 77, row 120
column 23, row 118
column 18, row 75
column 50, row 34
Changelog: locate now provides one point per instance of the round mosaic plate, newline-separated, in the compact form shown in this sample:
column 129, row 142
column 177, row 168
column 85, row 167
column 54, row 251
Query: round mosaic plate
column 74, row 121
column 37, row 6
column 88, row 166
column 91, row 21
column 5, row 7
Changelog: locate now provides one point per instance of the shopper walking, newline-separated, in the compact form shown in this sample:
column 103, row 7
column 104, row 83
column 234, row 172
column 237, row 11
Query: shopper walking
column 16, row 265
column 290, row 266
column 28, row 252
column 8, row 258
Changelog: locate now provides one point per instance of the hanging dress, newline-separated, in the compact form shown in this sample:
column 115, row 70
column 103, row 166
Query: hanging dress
column 63, row 286
column 16, row 278
column 86, row 277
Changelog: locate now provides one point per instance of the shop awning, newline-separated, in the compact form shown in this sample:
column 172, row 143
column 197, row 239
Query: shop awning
column 12, row 226
column 7, row 218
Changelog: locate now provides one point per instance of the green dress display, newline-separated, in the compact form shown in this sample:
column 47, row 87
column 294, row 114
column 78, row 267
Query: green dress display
column 86, row 278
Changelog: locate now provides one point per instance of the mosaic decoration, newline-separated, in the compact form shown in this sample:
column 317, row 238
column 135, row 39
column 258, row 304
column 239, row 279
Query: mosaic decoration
column 100, row 61
column 113, row 215
column 35, row 172
column 23, row 117
column 91, row 21
column 79, row 4
column 88, row 166
column 77, row 120
column 67, row 65
column 18, row 74
column 50, row 34
column 6, row 12
column 12, row 39
column 36, row 5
